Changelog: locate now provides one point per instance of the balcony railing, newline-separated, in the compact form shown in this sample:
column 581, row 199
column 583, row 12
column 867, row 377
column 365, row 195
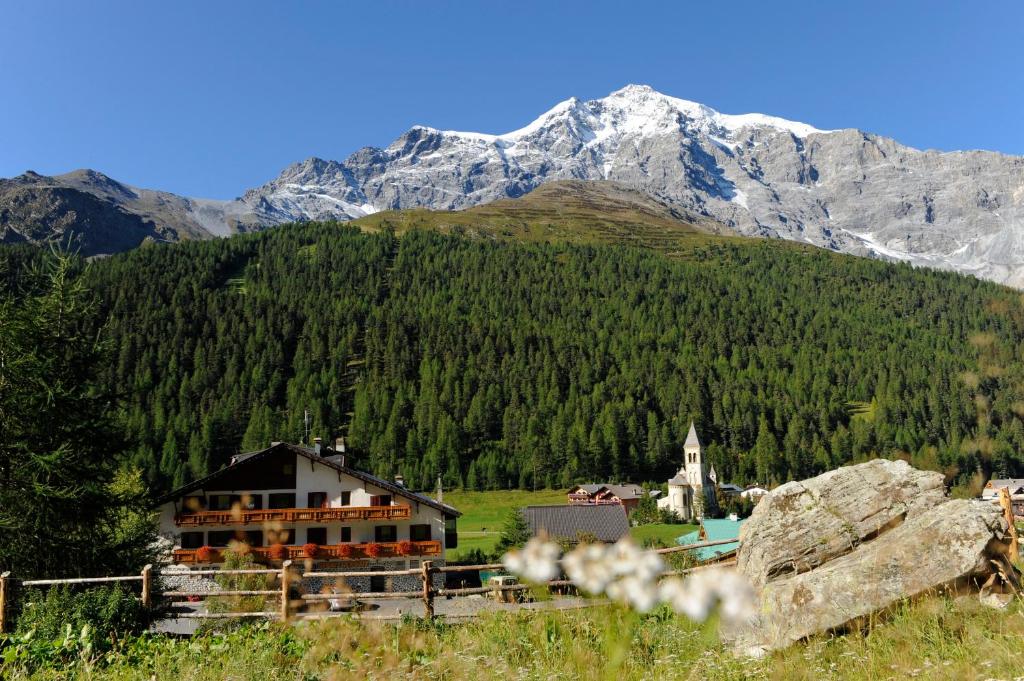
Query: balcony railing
column 330, row 552
column 292, row 515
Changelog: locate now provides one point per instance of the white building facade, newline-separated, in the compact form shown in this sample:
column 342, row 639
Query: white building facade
column 300, row 503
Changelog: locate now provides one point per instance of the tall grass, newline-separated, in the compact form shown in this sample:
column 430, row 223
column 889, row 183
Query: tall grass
column 938, row 638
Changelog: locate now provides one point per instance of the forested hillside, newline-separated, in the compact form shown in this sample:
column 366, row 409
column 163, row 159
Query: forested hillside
column 507, row 364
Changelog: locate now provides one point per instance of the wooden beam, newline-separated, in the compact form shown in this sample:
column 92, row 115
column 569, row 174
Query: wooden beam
column 1007, row 504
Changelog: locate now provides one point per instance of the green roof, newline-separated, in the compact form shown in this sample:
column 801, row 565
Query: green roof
column 714, row 530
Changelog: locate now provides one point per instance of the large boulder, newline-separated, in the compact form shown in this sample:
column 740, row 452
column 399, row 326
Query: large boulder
column 801, row 525
column 824, row 552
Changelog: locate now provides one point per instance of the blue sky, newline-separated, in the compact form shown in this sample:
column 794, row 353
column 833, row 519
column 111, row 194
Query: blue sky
column 211, row 98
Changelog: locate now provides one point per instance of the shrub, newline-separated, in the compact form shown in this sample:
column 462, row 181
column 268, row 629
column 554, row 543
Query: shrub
column 406, row 548
column 374, row 550
column 311, row 550
column 277, row 552
column 233, row 560
column 205, row 554
column 97, row 615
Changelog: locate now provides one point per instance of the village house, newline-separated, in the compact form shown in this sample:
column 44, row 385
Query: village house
column 1014, row 485
column 289, row 501
column 691, row 492
column 627, row 496
column 571, row 523
column 754, row 493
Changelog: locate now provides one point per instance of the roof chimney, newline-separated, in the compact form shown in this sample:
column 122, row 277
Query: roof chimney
column 339, row 445
column 317, row 444
column 400, row 480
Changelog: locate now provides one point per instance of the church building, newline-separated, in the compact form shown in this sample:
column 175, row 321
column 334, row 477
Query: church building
column 691, row 493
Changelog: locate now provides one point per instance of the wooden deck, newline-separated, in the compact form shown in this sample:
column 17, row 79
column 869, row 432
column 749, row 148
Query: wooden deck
column 332, row 552
column 293, row 515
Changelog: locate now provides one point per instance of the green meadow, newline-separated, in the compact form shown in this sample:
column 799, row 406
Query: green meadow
column 484, row 513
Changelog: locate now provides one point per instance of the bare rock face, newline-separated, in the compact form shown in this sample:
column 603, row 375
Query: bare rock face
column 827, row 551
column 802, row 525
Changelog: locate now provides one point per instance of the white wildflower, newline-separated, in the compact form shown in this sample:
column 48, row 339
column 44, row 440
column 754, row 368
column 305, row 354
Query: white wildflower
column 624, row 556
column 537, row 562
column 697, row 595
column 589, row 568
column 689, row 597
column 640, row 594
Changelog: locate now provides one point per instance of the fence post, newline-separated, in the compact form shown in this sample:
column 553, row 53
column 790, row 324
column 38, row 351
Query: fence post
column 428, row 589
column 5, row 579
column 147, row 587
column 284, row 589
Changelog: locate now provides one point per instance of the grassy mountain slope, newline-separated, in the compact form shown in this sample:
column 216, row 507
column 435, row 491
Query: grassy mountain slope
column 568, row 211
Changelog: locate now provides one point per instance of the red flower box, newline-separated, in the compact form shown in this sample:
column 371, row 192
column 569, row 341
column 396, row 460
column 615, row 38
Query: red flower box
column 345, row 551
column 406, row 548
column 374, row 550
column 277, row 552
column 311, row 550
column 205, row 554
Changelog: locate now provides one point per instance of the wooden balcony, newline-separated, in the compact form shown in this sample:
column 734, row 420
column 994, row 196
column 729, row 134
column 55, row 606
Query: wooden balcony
column 331, row 552
column 293, row 515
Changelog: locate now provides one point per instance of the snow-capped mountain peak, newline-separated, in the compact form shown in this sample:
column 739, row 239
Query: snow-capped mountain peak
column 758, row 174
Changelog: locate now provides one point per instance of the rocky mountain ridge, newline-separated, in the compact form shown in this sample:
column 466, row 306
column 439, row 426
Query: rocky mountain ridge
column 760, row 175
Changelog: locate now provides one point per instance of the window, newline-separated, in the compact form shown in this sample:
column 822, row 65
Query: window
column 380, row 500
column 224, row 502
column 281, row 500
column 191, row 540
column 316, row 535
column 451, row 535
column 346, row 498
column 281, row 536
column 220, row 537
column 419, row 532
column 346, row 535
column 253, row 537
column 193, row 504
column 385, row 533
column 316, row 500
column 251, row 502
column 225, row 537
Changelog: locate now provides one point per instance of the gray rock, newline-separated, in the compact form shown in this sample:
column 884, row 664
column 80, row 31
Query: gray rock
column 902, row 540
column 802, row 525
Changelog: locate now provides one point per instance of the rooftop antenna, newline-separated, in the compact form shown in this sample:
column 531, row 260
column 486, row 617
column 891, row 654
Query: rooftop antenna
column 305, row 420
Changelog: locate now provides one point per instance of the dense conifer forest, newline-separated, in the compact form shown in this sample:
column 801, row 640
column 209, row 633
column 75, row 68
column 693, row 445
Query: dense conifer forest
column 503, row 365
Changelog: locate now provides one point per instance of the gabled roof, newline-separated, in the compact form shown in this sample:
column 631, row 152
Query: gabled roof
column 253, row 457
column 589, row 489
column 621, row 491
column 691, row 437
column 606, row 522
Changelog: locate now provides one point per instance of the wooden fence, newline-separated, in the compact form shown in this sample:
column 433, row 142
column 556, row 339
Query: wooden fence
column 285, row 576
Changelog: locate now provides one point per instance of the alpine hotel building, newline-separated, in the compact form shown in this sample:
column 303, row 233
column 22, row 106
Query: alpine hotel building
column 295, row 502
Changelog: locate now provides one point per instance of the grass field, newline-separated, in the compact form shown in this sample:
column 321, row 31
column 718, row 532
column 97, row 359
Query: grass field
column 664, row 535
column 936, row 638
column 484, row 513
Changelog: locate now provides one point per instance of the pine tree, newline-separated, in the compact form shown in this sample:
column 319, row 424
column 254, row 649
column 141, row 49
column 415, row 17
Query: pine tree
column 61, row 512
